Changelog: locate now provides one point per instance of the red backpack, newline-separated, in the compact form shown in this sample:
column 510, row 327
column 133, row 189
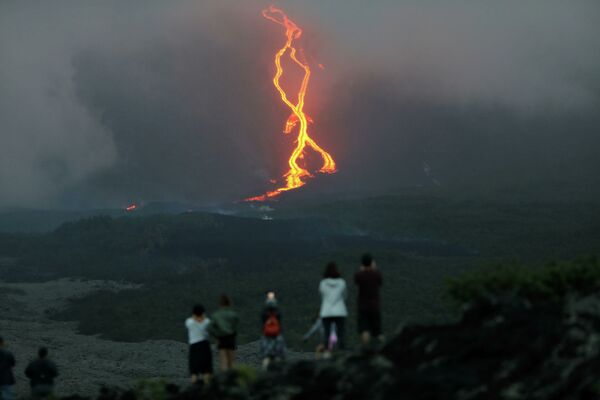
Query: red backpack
column 272, row 327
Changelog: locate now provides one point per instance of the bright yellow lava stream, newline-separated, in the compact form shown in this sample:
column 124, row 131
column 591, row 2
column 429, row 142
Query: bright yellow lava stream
column 294, row 176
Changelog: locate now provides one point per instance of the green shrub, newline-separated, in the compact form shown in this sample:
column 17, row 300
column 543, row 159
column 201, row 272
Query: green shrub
column 551, row 282
column 148, row 389
column 246, row 375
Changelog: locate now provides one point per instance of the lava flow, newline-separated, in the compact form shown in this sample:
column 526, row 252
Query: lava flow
column 296, row 173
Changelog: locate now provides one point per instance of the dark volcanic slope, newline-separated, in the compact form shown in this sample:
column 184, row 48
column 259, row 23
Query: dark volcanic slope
column 123, row 247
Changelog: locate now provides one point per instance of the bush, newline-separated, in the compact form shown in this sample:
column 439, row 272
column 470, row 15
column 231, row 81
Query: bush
column 551, row 282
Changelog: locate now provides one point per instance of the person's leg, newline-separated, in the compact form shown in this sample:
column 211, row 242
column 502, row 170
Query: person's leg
column 281, row 348
column 363, row 328
column 327, row 326
column 223, row 360
column 265, row 362
column 230, row 358
column 6, row 392
column 327, row 329
column 193, row 363
column 365, row 337
column 340, row 331
column 319, row 351
column 41, row 391
column 192, row 367
column 207, row 370
column 376, row 327
column 206, row 378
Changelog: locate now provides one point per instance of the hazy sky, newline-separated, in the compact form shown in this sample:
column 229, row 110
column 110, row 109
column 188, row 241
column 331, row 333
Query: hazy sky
column 103, row 103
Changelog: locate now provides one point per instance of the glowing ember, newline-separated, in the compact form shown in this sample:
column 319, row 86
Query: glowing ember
column 296, row 173
column 131, row 207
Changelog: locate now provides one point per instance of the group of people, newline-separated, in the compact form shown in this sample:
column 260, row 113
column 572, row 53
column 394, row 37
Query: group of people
column 223, row 325
column 41, row 373
column 330, row 322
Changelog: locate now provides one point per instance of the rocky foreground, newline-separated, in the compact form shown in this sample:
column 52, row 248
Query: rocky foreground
column 505, row 348
column 524, row 334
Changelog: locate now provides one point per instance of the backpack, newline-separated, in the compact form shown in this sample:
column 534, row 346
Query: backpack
column 272, row 327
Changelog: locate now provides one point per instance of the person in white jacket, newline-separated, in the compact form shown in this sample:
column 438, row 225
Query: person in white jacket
column 333, row 304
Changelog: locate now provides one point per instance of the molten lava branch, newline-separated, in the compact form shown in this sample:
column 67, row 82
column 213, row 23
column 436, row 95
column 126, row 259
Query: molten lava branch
column 294, row 176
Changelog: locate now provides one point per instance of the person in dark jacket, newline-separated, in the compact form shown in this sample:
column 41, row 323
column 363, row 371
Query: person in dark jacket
column 224, row 326
column 369, row 281
column 41, row 373
column 7, row 379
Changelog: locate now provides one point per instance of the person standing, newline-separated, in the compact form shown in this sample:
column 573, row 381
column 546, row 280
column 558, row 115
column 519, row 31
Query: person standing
column 333, row 311
column 272, row 343
column 223, row 326
column 7, row 378
column 200, row 354
column 369, row 280
column 41, row 373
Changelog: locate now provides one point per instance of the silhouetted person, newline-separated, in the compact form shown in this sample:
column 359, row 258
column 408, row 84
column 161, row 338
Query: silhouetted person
column 223, row 326
column 368, row 279
column 41, row 373
column 7, row 379
column 200, row 354
column 333, row 307
column 272, row 343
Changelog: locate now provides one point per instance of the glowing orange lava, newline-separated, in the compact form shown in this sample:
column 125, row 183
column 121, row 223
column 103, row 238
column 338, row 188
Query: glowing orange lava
column 131, row 207
column 296, row 173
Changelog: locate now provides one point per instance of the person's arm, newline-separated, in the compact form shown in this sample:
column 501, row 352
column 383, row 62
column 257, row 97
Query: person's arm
column 316, row 326
column 345, row 291
column 28, row 371
column 234, row 320
column 11, row 360
column 211, row 328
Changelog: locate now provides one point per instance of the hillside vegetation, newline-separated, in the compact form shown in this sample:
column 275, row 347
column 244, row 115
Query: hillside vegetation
column 419, row 242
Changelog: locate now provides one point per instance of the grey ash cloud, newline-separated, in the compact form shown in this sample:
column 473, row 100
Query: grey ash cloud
column 107, row 102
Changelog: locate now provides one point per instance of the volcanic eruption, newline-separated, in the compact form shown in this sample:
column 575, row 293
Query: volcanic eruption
column 294, row 177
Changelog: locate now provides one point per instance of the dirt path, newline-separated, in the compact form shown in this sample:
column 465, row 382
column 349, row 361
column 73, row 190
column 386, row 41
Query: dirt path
column 86, row 362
